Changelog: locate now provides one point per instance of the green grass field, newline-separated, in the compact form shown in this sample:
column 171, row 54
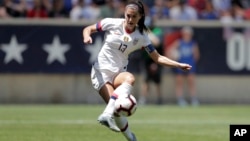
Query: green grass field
column 150, row 123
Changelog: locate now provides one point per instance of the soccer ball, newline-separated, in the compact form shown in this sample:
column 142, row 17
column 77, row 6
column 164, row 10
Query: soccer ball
column 125, row 105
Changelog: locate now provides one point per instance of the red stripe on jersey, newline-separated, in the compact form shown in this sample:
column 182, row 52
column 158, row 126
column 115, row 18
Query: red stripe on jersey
column 99, row 26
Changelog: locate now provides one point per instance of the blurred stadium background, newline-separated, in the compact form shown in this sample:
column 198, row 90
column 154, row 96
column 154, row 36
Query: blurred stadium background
column 44, row 61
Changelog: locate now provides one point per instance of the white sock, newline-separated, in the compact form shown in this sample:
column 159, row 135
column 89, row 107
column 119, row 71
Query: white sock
column 123, row 89
column 110, row 107
column 122, row 123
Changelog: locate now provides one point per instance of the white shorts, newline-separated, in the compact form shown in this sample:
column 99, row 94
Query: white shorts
column 99, row 77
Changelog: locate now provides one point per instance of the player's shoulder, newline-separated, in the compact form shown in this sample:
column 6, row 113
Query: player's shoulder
column 115, row 21
column 145, row 34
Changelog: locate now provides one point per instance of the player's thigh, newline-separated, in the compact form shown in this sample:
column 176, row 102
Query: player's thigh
column 106, row 91
column 124, row 77
column 179, row 78
column 191, row 79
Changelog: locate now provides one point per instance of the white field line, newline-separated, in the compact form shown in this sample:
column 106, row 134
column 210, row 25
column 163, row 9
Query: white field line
column 4, row 122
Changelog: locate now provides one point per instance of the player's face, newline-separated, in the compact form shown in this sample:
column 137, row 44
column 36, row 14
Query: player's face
column 187, row 36
column 132, row 17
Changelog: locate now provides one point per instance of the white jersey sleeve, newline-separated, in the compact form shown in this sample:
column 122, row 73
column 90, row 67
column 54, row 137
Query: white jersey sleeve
column 105, row 24
column 147, row 43
column 146, row 40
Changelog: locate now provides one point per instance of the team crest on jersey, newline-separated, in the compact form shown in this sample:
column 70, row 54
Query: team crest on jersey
column 135, row 41
column 125, row 39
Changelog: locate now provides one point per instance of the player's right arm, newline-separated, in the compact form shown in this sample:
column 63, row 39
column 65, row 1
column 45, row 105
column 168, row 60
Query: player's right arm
column 87, row 31
column 103, row 25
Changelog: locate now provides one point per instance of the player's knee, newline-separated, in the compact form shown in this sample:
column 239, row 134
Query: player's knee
column 130, row 78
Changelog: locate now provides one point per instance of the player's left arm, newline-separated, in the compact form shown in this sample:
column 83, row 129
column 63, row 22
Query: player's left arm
column 165, row 61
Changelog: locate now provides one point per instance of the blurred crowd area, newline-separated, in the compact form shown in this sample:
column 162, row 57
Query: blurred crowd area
column 224, row 10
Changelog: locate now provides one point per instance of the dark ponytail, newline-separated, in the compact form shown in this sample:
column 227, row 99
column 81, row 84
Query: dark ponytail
column 141, row 24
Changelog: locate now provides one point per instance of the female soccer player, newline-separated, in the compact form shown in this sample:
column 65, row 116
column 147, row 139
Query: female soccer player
column 188, row 51
column 109, row 76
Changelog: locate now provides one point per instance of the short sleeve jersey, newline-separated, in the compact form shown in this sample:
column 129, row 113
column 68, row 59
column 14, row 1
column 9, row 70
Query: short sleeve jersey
column 118, row 44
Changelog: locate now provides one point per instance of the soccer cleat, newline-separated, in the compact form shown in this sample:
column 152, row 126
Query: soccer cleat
column 134, row 137
column 108, row 121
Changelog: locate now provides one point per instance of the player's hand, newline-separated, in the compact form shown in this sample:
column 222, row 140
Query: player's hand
column 185, row 67
column 87, row 40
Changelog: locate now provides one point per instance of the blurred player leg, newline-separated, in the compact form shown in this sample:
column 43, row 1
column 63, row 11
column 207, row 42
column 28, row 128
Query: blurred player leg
column 179, row 90
column 192, row 90
column 157, row 83
column 158, row 92
column 144, row 93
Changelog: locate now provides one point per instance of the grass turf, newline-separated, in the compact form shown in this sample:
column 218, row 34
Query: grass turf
column 150, row 123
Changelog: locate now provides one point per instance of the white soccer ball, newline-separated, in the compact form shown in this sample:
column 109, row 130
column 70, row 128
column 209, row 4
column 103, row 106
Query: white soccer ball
column 125, row 105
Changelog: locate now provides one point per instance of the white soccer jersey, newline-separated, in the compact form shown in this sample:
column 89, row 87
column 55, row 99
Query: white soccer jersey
column 118, row 44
